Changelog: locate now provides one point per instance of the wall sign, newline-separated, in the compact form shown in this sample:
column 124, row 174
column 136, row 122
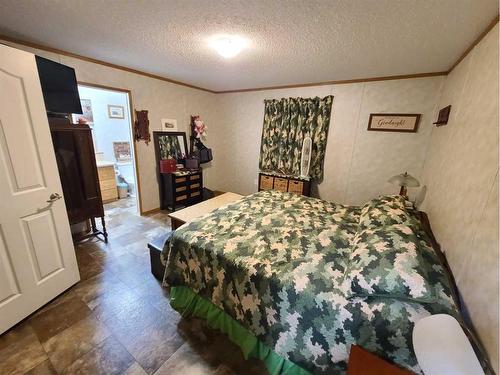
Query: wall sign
column 394, row 122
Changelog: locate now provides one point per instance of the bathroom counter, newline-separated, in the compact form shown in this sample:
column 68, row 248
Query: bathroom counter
column 104, row 163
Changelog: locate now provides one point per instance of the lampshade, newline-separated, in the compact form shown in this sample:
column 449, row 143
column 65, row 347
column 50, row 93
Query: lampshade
column 404, row 179
column 442, row 348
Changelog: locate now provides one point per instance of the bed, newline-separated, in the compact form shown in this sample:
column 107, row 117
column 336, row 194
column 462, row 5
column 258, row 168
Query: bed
column 295, row 281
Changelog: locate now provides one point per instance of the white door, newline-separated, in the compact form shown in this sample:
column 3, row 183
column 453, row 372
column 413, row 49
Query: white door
column 37, row 258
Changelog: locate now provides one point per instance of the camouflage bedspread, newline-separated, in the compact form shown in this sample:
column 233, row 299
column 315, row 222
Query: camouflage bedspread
column 275, row 262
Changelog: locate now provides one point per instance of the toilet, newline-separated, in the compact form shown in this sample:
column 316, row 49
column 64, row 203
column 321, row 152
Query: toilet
column 126, row 175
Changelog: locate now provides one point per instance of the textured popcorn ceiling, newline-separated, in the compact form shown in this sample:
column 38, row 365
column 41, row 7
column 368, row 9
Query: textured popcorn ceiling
column 291, row 42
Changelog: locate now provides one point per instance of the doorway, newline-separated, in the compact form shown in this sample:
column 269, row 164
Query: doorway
column 108, row 112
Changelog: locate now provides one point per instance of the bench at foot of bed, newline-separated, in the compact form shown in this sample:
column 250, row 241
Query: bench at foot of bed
column 155, row 248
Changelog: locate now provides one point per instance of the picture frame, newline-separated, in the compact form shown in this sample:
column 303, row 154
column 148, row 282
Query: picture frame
column 122, row 151
column 169, row 125
column 394, row 122
column 87, row 116
column 116, row 111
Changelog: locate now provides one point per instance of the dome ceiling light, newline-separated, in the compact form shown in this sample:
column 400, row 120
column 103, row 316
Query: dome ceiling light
column 228, row 45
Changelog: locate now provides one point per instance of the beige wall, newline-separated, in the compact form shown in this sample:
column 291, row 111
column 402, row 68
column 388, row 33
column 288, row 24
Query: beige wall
column 461, row 173
column 357, row 162
column 160, row 98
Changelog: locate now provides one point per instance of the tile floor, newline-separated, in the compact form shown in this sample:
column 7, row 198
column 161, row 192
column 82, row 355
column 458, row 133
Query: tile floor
column 117, row 319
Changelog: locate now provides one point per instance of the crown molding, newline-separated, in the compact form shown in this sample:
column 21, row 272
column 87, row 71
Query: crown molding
column 100, row 62
column 338, row 82
column 476, row 41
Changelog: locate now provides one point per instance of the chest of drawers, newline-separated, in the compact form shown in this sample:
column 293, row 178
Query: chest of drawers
column 180, row 190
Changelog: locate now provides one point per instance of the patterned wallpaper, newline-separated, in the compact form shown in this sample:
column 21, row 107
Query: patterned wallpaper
column 358, row 163
column 461, row 173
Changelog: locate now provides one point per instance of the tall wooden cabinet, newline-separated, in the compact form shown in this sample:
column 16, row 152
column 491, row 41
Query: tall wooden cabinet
column 76, row 162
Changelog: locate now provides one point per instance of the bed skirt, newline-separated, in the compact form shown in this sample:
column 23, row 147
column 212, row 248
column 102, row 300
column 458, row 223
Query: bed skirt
column 190, row 304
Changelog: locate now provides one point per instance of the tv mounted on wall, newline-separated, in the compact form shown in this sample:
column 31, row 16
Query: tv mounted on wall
column 59, row 87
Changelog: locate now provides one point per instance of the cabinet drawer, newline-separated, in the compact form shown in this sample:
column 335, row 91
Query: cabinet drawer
column 194, row 193
column 181, row 197
column 109, row 194
column 266, row 182
column 179, row 189
column 295, row 186
column 280, row 184
column 194, row 186
column 194, row 177
column 107, row 184
column 106, row 173
column 179, row 180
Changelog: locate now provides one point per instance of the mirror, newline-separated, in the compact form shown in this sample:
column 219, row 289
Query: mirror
column 170, row 145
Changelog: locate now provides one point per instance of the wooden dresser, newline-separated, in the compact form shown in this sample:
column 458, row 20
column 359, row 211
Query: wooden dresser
column 180, row 190
column 107, row 182
column 281, row 183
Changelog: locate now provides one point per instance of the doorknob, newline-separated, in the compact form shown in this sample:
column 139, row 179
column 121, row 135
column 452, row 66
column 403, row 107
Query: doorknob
column 53, row 197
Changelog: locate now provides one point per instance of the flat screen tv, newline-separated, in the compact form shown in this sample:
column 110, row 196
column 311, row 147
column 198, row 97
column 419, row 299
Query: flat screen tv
column 59, row 86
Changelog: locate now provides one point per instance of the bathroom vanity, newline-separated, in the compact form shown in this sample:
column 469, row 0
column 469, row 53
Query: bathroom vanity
column 107, row 181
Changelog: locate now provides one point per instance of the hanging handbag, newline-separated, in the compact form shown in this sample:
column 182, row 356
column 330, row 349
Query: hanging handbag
column 192, row 162
column 203, row 153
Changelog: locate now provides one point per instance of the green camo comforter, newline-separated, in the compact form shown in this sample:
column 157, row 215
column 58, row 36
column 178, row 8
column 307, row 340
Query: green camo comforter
column 275, row 262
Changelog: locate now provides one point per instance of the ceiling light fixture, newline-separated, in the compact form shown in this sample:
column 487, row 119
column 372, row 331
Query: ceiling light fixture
column 228, row 45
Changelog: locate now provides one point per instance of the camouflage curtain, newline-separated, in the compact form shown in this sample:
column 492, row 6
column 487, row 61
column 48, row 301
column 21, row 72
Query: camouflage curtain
column 169, row 147
column 286, row 123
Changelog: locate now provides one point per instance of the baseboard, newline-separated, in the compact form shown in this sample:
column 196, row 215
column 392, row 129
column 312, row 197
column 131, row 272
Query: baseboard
column 149, row 212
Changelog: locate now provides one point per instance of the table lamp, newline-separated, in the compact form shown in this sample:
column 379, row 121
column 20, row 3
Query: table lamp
column 404, row 180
